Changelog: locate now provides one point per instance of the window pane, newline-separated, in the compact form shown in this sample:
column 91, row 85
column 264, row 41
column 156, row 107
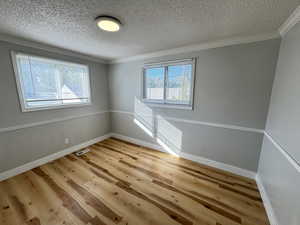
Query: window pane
column 179, row 83
column 46, row 82
column 74, row 84
column 39, row 82
column 154, row 83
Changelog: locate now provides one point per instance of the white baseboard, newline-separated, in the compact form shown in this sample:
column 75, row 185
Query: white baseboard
column 266, row 201
column 223, row 166
column 138, row 142
column 49, row 158
column 199, row 159
column 205, row 161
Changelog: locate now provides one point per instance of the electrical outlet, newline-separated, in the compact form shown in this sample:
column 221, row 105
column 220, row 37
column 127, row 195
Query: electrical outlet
column 67, row 141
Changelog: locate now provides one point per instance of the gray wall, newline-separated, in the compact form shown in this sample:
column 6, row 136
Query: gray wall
column 233, row 86
column 280, row 177
column 281, row 181
column 284, row 117
column 25, row 145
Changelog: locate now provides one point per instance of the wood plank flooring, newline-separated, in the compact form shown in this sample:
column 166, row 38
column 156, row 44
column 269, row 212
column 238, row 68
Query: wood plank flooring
column 122, row 183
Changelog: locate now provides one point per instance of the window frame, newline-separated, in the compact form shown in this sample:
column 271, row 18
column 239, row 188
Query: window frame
column 22, row 100
column 169, row 103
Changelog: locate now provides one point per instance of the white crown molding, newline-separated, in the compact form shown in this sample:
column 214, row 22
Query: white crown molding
column 201, row 46
column 197, row 122
column 292, row 20
column 49, row 48
column 266, row 201
column 28, row 125
column 283, row 152
column 28, row 166
column 195, row 158
column 172, row 51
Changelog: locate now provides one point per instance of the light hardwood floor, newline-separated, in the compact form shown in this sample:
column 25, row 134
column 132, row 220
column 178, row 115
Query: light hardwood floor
column 122, row 183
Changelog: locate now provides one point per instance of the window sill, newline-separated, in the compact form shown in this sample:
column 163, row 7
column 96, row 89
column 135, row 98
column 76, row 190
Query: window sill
column 170, row 106
column 55, row 107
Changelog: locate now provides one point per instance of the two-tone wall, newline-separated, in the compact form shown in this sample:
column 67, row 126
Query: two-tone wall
column 28, row 136
column 279, row 167
column 233, row 87
column 231, row 97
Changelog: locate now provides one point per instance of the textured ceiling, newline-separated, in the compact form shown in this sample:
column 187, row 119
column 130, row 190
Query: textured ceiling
column 150, row 25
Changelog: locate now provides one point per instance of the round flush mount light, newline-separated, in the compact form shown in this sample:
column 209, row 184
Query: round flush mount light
column 108, row 23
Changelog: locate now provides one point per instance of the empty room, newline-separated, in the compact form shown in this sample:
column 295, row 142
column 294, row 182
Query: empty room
column 149, row 112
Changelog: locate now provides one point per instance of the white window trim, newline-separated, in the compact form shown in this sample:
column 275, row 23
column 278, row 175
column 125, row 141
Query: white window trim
column 166, row 103
column 24, row 108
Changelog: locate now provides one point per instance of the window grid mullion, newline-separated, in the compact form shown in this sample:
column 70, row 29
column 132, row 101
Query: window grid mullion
column 165, row 84
column 145, row 93
column 58, row 84
column 61, row 86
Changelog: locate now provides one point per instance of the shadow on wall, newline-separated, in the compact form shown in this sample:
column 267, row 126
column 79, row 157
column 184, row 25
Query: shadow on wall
column 166, row 135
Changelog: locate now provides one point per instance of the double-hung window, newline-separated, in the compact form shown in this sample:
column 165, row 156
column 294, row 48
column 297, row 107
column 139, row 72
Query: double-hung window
column 47, row 83
column 169, row 84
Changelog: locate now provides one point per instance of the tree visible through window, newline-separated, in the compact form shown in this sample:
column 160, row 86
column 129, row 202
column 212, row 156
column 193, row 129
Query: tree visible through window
column 169, row 83
column 45, row 83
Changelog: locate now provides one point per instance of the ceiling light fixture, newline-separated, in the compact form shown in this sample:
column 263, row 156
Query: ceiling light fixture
column 108, row 23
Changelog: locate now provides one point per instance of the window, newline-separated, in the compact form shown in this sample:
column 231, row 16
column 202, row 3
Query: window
column 47, row 83
column 169, row 84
